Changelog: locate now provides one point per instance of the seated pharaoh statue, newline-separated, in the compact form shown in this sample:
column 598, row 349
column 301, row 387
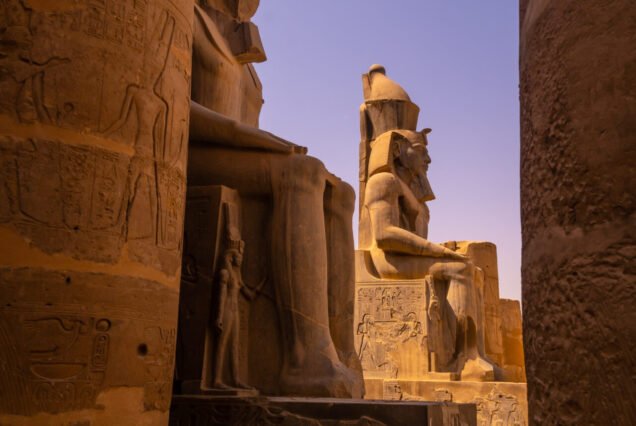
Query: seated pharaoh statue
column 393, row 240
column 296, row 222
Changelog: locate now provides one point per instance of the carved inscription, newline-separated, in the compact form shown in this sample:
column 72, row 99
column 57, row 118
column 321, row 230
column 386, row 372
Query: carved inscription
column 77, row 193
column 66, row 359
column 159, row 363
column 116, row 70
column 499, row 409
column 443, row 395
column 23, row 74
column 390, row 335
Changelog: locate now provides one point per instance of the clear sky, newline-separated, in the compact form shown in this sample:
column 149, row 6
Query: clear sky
column 457, row 59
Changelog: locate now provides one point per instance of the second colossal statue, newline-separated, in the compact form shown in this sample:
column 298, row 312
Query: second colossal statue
column 394, row 226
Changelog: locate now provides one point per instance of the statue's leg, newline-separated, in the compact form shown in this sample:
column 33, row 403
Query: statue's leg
column 222, row 351
column 463, row 299
column 235, row 351
column 339, row 201
column 311, row 364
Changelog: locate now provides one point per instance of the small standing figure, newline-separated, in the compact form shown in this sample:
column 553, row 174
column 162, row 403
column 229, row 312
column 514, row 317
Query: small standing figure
column 227, row 323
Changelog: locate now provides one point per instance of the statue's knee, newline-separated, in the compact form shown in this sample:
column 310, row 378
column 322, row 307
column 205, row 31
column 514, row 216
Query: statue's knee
column 346, row 195
column 341, row 197
column 304, row 172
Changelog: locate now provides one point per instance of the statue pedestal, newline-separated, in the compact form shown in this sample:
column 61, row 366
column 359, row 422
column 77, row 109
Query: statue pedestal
column 496, row 402
column 190, row 410
column 392, row 336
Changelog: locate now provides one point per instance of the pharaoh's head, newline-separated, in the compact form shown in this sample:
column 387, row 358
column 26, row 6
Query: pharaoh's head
column 404, row 153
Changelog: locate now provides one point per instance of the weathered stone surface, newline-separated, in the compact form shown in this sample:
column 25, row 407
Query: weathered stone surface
column 513, row 363
column 578, row 121
column 193, row 411
column 297, row 229
column 94, row 104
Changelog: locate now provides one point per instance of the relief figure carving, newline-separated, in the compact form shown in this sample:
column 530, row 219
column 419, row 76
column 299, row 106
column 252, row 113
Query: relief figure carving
column 21, row 76
column 227, row 321
column 147, row 111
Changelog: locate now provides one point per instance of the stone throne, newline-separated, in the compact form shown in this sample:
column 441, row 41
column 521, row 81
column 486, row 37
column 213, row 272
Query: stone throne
column 427, row 314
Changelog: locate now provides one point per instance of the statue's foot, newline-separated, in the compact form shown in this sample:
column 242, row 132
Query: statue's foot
column 478, row 370
column 241, row 385
column 320, row 376
column 220, row 385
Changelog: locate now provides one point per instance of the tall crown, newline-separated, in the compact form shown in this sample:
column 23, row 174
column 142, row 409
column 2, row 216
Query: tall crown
column 386, row 105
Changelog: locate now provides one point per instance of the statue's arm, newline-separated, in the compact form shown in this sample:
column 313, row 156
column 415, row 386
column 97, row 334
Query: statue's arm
column 382, row 203
column 214, row 128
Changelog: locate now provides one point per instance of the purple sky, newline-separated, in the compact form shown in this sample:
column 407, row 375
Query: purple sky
column 457, row 59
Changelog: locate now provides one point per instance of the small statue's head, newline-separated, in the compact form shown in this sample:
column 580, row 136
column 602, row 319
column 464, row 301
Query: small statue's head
column 237, row 258
column 234, row 257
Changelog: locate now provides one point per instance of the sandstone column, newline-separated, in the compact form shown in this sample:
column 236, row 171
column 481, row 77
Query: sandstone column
column 578, row 142
column 94, row 101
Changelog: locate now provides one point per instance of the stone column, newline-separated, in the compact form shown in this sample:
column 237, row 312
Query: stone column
column 578, row 190
column 94, row 101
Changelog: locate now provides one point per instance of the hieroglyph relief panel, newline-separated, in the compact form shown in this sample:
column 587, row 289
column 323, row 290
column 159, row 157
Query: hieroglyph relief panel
column 391, row 330
column 55, row 359
column 107, row 73
column 499, row 409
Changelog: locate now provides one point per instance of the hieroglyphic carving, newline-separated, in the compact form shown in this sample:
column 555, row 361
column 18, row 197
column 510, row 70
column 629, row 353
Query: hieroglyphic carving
column 390, row 319
column 158, row 354
column 71, row 192
column 155, row 187
column 171, row 203
column 124, row 93
column 22, row 75
column 74, row 191
column 443, row 395
column 57, row 352
column 391, row 390
column 499, row 409
column 66, row 359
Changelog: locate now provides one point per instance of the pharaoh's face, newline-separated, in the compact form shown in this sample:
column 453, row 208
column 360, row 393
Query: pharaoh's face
column 416, row 158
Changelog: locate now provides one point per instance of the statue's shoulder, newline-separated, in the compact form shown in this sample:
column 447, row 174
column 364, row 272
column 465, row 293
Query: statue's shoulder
column 382, row 186
column 206, row 31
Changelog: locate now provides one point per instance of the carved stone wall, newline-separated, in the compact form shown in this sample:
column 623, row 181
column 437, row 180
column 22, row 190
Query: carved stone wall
column 578, row 125
column 94, row 104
